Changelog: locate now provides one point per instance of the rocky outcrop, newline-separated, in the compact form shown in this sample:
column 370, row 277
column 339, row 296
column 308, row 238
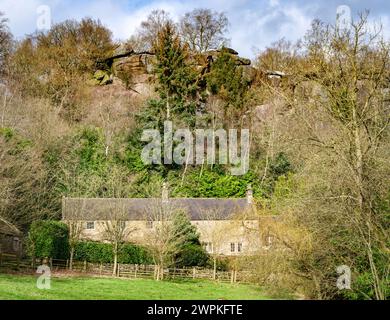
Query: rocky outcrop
column 135, row 69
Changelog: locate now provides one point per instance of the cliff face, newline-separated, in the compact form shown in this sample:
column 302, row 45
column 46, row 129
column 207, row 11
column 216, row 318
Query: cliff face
column 138, row 65
column 135, row 69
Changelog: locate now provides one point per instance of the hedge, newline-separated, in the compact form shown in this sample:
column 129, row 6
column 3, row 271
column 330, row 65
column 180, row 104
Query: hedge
column 48, row 239
column 98, row 252
column 192, row 255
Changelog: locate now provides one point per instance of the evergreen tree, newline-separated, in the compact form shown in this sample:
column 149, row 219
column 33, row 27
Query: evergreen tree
column 176, row 84
column 227, row 81
column 190, row 251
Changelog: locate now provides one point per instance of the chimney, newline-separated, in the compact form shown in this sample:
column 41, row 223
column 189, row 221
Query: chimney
column 165, row 192
column 249, row 194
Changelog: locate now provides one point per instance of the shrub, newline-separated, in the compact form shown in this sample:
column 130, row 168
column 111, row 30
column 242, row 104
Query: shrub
column 192, row 255
column 133, row 254
column 49, row 239
column 93, row 252
column 98, row 252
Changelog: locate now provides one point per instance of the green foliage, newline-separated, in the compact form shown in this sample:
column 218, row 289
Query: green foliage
column 213, row 183
column 90, row 151
column 133, row 254
column 49, row 239
column 363, row 288
column 98, row 252
column 95, row 252
column 227, row 80
column 190, row 251
column 280, row 165
column 275, row 181
column 192, row 255
column 176, row 84
column 7, row 133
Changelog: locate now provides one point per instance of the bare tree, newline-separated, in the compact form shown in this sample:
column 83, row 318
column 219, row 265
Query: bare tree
column 115, row 229
column 74, row 220
column 215, row 232
column 339, row 129
column 147, row 33
column 5, row 41
column 163, row 239
column 203, row 29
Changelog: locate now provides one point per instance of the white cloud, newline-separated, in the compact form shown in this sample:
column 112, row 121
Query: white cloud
column 21, row 14
column 254, row 23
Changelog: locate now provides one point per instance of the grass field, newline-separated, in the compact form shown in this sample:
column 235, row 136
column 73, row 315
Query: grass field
column 21, row 287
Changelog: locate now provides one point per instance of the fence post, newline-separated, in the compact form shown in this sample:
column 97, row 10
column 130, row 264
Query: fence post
column 67, row 264
column 193, row 273
column 235, row 275
column 135, row 271
column 101, row 268
column 17, row 261
column 85, row 266
column 232, row 277
column 117, row 270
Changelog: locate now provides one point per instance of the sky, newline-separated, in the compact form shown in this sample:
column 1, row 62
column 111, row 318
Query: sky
column 254, row 24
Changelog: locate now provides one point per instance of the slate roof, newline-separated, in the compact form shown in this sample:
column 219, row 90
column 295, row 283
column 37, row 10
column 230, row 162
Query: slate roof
column 137, row 208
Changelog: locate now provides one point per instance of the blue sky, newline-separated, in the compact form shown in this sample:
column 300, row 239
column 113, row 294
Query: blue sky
column 254, row 24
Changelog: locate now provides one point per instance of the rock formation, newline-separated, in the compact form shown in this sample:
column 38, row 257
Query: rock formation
column 135, row 69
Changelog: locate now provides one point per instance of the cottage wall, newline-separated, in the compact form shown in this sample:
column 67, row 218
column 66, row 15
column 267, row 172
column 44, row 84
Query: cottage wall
column 224, row 237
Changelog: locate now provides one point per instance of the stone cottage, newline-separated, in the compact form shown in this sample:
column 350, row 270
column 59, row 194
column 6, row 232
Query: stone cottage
column 226, row 226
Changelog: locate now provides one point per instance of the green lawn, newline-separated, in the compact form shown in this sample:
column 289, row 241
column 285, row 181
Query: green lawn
column 21, row 287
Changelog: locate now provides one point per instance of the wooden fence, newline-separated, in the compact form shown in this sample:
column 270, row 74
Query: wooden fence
column 12, row 263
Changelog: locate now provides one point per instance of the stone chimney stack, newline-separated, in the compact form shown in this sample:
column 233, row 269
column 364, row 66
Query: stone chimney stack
column 249, row 194
column 165, row 193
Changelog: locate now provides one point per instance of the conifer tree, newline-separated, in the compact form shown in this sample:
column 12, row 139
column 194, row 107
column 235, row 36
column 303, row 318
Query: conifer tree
column 175, row 80
column 227, row 81
column 190, row 251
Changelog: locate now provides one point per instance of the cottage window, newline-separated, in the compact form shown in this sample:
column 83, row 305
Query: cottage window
column 232, row 247
column 16, row 244
column 90, row 225
column 208, row 246
column 239, row 247
column 149, row 224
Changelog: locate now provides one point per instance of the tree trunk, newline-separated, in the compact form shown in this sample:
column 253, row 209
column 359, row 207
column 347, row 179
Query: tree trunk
column 215, row 268
column 114, row 271
column 71, row 258
column 162, row 272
